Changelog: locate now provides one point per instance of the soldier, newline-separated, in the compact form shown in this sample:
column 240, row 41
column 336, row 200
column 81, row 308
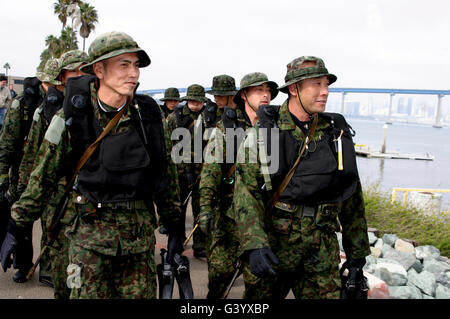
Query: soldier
column 13, row 139
column 288, row 232
column 5, row 97
column 110, row 218
column 189, row 116
column 223, row 90
column 217, row 218
column 171, row 100
column 54, row 263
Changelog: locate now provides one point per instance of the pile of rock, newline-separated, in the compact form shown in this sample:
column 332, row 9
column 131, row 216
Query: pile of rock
column 401, row 269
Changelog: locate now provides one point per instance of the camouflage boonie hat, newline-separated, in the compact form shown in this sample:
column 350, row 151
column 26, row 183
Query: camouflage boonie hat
column 295, row 73
column 171, row 94
column 195, row 92
column 50, row 72
column 255, row 79
column 72, row 60
column 223, row 85
column 111, row 44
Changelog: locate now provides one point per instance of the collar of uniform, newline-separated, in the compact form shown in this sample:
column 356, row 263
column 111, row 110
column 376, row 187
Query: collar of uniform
column 285, row 121
column 242, row 117
column 187, row 111
column 106, row 108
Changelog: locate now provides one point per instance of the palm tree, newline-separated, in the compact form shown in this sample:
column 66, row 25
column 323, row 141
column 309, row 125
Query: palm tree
column 68, row 40
column 53, row 45
column 60, row 9
column 88, row 18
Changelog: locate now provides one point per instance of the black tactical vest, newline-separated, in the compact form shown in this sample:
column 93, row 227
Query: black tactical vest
column 210, row 114
column 29, row 101
column 130, row 165
column 52, row 103
column 317, row 179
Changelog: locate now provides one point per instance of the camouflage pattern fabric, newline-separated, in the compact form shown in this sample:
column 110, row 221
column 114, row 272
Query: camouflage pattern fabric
column 216, row 196
column 194, row 169
column 255, row 79
column 223, row 85
column 295, row 73
column 73, row 59
column 306, row 246
column 12, row 138
column 195, row 92
column 50, row 72
column 171, row 94
column 93, row 230
column 111, row 44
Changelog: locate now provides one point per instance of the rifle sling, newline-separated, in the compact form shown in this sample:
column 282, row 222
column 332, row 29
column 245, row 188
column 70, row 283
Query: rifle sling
column 289, row 175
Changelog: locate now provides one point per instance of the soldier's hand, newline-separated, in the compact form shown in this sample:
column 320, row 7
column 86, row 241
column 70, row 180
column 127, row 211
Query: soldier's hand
column 17, row 244
column 174, row 246
column 268, row 115
column 261, row 260
column 354, row 285
column 206, row 221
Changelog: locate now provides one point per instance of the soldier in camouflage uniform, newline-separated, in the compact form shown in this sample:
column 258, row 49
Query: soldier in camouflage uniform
column 289, row 241
column 223, row 89
column 171, row 100
column 217, row 218
column 5, row 97
column 52, row 266
column 110, row 218
column 13, row 139
column 189, row 116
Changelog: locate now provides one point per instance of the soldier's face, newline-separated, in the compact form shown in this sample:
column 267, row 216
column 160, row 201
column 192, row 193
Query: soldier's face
column 171, row 104
column 67, row 74
column 119, row 74
column 195, row 106
column 257, row 95
column 314, row 94
column 221, row 101
column 3, row 83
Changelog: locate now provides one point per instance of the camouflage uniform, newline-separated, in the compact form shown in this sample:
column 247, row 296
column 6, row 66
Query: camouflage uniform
column 54, row 264
column 189, row 172
column 5, row 99
column 216, row 189
column 223, row 85
column 169, row 94
column 111, row 245
column 305, row 243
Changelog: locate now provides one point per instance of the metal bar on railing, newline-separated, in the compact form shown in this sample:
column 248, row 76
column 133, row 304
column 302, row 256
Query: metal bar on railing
column 407, row 190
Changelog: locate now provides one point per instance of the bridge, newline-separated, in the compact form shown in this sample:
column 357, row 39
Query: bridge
column 344, row 91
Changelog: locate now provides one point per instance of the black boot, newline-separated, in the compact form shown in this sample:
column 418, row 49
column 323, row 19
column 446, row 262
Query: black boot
column 21, row 275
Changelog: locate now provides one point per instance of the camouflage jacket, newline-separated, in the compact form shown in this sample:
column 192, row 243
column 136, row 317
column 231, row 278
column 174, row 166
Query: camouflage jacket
column 216, row 192
column 103, row 229
column 12, row 141
column 35, row 137
column 172, row 125
column 5, row 96
column 165, row 112
column 250, row 204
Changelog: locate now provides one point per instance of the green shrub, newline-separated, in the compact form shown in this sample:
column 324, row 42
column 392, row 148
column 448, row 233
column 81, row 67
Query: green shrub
column 406, row 222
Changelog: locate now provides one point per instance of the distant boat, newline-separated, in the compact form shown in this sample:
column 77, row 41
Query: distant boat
column 365, row 151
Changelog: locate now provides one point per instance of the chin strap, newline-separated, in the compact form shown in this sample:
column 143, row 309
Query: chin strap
column 301, row 104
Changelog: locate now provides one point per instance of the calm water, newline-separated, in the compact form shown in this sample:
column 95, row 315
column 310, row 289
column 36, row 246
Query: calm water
column 405, row 138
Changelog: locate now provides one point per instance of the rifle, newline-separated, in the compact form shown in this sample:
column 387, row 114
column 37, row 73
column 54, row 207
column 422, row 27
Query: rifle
column 60, row 210
column 239, row 268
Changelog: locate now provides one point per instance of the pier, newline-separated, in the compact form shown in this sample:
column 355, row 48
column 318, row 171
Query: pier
column 366, row 151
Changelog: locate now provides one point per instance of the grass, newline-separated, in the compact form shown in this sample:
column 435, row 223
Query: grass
column 406, row 222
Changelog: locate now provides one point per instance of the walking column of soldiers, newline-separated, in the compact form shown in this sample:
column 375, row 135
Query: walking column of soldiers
column 103, row 167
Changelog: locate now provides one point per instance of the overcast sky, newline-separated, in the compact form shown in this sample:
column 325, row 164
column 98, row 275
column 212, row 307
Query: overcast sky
column 378, row 43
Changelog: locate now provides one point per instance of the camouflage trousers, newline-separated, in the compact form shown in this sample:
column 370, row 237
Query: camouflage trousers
column 221, row 255
column 308, row 252
column 59, row 256
column 92, row 275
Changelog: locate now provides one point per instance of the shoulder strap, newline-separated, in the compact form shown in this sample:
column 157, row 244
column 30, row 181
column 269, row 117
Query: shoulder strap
column 289, row 175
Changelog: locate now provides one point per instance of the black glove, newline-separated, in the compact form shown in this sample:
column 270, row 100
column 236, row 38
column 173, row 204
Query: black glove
column 260, row 260
column 174, row 246
column 354, row 285
column 17, row 242
column 190, row 178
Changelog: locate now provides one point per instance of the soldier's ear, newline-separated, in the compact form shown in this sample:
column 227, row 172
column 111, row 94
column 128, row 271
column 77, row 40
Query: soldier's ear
column 99, row 70
column 292, row 89
column 243, row 95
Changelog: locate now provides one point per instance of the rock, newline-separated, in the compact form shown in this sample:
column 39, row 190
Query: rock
column 434, row 266
column 417, row 266
column 389, row 239
column 379, row 243
column 442, row 292
column 404, row 246
column 444, row 259
column 392, row 274
column 425, row 281
column 373, row 230
column 425, row 296
column 372, row 238
column 427, row 251
column 444, row 279
column 377, row 287
column 405, row 259
column 415, row 243
column 371, row 261
column 404, row 292
column 375, row 252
